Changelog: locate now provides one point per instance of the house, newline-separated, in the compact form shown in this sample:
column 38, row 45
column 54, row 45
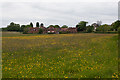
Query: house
column 51, row 30
column 33, row 30
column 95, row 25
column 72, row 30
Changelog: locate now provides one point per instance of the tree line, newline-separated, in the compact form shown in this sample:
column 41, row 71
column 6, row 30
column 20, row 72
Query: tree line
column 81, row 26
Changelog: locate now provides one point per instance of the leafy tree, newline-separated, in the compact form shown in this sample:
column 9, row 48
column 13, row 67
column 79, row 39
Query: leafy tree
column 50, row 26
column 27, row 26
column 81, row 26
column 25, row 31
column 64, row 26
column 119, row 31
column 116, row 25
column 89, row 29
column 104, row 28
column 13, row 27
column 31, row 24
column 37, row 24
column 4, row 29
column 22, row 28
column 56, row 26
column 41, row 25
column 40, row 31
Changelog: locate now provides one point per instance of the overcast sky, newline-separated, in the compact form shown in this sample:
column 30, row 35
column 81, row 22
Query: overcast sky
column 54, row 12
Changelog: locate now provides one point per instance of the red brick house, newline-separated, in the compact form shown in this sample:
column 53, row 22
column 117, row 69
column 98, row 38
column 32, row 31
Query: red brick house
column 33, row 30
column 51, row 30
column 72, row 30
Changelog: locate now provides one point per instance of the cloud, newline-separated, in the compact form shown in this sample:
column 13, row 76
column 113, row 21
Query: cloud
column 69, row 13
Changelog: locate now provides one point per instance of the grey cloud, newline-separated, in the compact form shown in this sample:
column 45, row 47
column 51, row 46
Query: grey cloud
column 69, row 13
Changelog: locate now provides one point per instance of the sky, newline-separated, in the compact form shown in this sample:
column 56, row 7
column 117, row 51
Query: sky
column 58, row 12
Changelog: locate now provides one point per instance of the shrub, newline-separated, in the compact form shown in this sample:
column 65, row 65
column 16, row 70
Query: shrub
column 40, row 31
column 25, row 31
column 63, row 32
column 119, row 30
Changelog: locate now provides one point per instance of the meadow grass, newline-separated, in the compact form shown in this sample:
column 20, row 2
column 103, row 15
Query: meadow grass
column 59, row 55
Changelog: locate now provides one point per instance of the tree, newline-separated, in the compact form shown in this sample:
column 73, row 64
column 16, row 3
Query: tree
column 40, row 31
column 89, row 29
column 81, row 26
column 25, row 31
column 4, row 29
column 22, row 28
column 116, row 25
column 104, row 28
column 13, row 27
column 64, row 26
column 41, row 25
column 56, row 26
column 31, row 24
column 50, row 26
column 37, row 24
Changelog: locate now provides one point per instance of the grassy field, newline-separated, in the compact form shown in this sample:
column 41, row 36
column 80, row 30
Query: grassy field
column 59, row 55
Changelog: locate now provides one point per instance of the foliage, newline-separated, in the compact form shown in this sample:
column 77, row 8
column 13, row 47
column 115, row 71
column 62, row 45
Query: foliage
column 25, row 31
column 64, row 26
column 55, row 26
column 31, row 24
column 104, row 28
column 81, row 26
column 50, row 26
column 119, row 30
column 89, row 29
column 116, row 25
column 13, row 27
column 41, row 24
column 40, row 31
column 59, row 56
column 37, row 24
column 22, row 28
column 63, row 32
column 27, row 26
column 4, row 29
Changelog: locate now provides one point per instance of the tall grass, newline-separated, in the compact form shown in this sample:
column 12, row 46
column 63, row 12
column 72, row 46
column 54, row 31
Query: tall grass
column 60, row 56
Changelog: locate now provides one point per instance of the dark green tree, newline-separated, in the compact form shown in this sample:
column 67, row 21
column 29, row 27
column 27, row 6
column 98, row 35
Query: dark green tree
column 104, row 28
column 13, row 27
column 64, row 26
column 37, row 24
column 116, row 25
column 41, row 25
column 56, row 26
column 22, row 28
column 81, row 26
column 40, row 31
column 31, row 24
column 50, row 26
column 89, row 29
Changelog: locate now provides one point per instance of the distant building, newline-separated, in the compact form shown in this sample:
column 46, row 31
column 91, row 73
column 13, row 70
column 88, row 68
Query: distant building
column 33, row 30
column 51, row 30
column 95, row 25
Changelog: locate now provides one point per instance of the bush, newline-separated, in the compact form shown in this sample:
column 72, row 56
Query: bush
column 90, row 29
column 108, row 32
column 51, row 33
column 61, row 32
column 119, row 30
column 40, row 31
column 25, row 31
